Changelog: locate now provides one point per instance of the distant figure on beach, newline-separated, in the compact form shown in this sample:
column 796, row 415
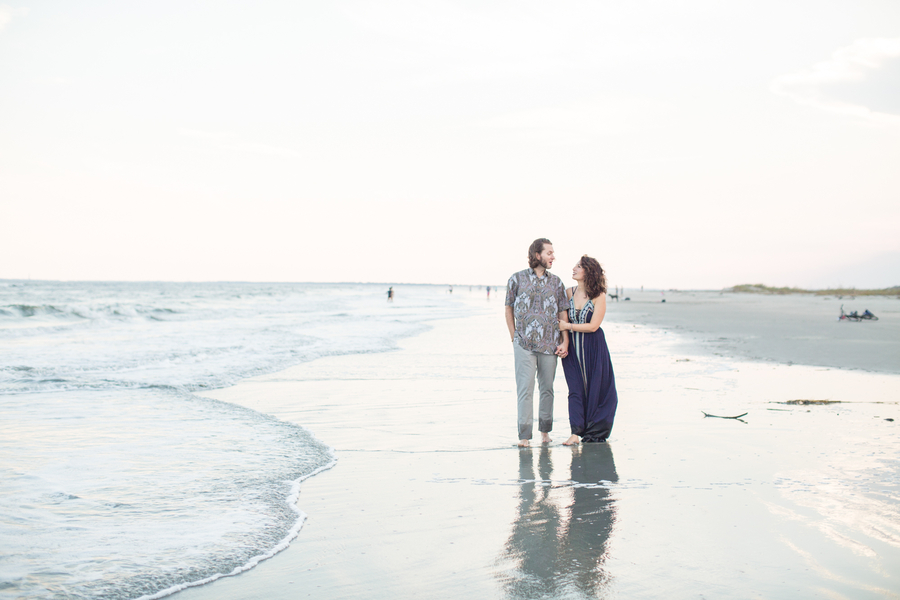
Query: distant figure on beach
column 588, row 368
column 536, row 303
column 450, row 291
column 489, row 292
column 390, row 294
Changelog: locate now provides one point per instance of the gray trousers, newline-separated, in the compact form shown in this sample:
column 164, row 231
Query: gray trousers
column 529, row 364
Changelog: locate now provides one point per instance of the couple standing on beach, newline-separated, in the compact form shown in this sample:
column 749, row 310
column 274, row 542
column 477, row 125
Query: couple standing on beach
column 541, row 314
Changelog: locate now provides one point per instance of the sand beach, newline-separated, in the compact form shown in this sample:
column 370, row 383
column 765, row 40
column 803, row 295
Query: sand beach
column 252, row 275
column 430, row 498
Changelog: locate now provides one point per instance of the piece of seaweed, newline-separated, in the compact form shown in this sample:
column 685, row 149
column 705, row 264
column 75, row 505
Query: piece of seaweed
column 706, row 414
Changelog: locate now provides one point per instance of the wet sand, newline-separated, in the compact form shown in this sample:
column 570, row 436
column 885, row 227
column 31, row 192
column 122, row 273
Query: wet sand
column 793, row 328
column 430, row 498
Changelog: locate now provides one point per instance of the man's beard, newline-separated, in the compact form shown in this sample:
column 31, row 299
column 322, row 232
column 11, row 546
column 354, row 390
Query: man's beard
column 545, row 264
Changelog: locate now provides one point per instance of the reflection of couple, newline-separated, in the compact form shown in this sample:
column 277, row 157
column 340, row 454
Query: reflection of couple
column 560, row 537
column 540, row 315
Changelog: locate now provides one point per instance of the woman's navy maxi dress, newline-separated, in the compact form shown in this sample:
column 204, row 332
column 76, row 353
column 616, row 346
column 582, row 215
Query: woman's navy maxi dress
column 589, row 375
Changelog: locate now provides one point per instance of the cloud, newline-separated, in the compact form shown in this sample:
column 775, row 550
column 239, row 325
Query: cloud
column 264, row 149
column 860, row 80
column 216, row 136
column 52, row 80
column 8, row 12
column 230, row 141
column 583, row 119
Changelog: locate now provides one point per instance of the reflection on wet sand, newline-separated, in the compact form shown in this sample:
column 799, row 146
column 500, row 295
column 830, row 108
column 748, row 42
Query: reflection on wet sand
column 558, row 543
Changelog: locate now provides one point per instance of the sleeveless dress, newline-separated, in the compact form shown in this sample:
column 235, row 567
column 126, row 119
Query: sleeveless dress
column 589, row 375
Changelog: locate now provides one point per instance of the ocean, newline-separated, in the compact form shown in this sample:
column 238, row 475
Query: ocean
column 116, row 479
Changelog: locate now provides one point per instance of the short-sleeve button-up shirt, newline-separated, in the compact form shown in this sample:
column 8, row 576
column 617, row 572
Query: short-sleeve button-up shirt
column 536, row 303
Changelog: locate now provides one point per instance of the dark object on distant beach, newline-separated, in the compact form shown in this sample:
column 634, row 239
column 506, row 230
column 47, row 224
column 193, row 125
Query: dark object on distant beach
column 738, row 417
column 854, row 316
column 889, row 419
column 627, row 299
column 663, row 300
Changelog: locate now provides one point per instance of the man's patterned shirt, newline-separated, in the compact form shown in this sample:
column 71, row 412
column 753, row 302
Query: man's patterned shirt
column 536, row 302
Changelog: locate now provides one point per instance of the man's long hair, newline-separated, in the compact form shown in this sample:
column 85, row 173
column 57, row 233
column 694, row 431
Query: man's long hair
column 594, row 277
column 536, row 247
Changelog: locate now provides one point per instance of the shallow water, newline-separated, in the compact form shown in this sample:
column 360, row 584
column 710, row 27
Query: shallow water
column 431, row 498
column 116, row 480
column 120, row 495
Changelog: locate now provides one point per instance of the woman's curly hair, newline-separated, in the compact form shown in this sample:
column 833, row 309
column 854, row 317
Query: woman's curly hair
column 594, row 277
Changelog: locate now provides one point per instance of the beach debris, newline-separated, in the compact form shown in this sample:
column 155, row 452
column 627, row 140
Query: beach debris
column 808, row 402
column 804, row 402
column 854, row 316
column 706, row 414
column 889, row 419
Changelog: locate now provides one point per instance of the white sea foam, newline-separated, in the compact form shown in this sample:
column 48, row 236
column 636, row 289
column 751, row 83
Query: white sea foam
column 195, row 336
column 115, row 480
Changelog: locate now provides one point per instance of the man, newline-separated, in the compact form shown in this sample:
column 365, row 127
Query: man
column 535, row 303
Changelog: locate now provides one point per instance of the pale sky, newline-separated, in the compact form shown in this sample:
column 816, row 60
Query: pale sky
column 685, row 144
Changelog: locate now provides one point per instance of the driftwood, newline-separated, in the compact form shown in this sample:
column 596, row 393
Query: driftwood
column 706, row 414
column 808, row 402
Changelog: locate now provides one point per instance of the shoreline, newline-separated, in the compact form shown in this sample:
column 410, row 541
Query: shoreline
column 291, row 500
column 292, row 497
column 100, row 409
column 430, row 497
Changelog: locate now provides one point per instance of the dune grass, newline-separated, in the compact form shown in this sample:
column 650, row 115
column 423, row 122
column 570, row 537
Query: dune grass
column 758, row 288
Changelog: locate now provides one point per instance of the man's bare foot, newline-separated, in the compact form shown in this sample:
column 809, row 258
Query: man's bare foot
column 545, row 438
column 572, row 441
column 524, row 443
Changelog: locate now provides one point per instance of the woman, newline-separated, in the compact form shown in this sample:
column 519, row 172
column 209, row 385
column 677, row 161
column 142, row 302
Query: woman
column 588, row 369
